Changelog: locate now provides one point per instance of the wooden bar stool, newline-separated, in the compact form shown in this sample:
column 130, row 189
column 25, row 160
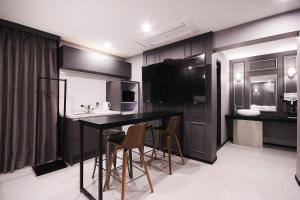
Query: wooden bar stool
column 133, row 139
column 168, row 133
column 149, row 127
column 111, row 133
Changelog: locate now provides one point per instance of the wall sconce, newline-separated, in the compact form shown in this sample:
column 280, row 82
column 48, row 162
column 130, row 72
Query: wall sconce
column 256, row 91
column 238, row 77
column 291, row 72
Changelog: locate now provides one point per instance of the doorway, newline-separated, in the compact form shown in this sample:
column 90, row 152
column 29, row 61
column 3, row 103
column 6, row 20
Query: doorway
column 219, row 102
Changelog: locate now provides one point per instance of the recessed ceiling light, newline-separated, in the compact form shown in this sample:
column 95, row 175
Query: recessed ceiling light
column 146, row 27
column 190, row 67
column 107, row 44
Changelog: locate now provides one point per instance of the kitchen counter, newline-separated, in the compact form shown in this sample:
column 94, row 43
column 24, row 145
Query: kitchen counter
column 77, row 116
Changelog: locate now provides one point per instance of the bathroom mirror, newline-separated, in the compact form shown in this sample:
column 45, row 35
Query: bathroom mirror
column 263, row 93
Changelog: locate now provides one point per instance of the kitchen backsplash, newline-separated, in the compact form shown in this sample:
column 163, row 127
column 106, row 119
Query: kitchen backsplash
column 83, row 88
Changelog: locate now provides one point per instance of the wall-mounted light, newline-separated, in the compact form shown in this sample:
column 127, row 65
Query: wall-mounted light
column 256, row 91
column 291, row 72
column 238, row 77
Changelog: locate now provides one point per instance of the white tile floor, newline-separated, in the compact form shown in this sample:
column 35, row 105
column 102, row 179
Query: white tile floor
column 240, row 173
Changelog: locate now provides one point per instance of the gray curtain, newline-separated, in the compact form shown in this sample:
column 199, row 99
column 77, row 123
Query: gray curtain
column 23, row 58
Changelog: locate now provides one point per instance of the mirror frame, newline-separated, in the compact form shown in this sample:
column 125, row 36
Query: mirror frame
column 276, row 91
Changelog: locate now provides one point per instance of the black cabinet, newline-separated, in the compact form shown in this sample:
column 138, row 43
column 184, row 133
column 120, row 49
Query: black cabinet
column 172, row 52
column 72, row 142
column 180, row 77
column 179, row 85
column 197, row 47
column 150, row 84
column 195, row 130
column 97, row 63
column 186, row 48
column 151, row 58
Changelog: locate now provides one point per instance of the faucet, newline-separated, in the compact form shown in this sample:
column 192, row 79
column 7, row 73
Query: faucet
column 88, row 108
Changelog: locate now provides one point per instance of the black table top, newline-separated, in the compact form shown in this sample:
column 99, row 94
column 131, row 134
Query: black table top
column 264, row 118
column 120, row 120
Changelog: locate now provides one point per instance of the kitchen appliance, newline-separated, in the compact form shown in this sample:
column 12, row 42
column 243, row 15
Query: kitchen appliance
column 106, row 106
column 127, row 96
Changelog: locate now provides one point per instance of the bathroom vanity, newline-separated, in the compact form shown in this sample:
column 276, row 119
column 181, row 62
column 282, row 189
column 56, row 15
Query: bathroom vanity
column 265, row 84
column 273, row 130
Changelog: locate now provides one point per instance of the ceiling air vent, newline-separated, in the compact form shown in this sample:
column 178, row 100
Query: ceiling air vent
column 168, row 34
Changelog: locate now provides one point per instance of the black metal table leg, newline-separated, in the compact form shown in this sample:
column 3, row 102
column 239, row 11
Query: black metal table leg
column 81, row 156
column 100, row 194
column 107, row 153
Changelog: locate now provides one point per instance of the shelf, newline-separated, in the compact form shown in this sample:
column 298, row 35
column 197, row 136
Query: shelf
column 129, row 102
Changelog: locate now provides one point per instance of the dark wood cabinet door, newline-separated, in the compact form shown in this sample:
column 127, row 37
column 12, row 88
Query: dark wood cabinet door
column 195, row 139
column 197, row 47
column 150, row 84
column 72, row 142
column 150, row 58
column 174, row 52
column 84, row 61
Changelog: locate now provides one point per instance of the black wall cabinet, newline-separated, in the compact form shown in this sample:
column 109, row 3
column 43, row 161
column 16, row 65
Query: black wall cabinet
column 182, row 49
column 79, row 60
column 186, row 86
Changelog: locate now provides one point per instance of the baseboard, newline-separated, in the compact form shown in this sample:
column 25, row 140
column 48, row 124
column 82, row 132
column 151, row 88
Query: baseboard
column 279, row 145
column 297, row 180
column 271, row 144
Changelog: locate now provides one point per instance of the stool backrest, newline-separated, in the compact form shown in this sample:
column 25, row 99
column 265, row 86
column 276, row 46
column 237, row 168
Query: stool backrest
column 173, row 124
column 135, row 136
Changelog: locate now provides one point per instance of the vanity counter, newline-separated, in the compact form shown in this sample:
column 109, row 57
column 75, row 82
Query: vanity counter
column 263, row 118
column 276, row 130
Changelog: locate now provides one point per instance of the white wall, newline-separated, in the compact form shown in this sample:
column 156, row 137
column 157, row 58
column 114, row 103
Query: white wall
column 224, row 90
column 276, row 46
column 83, row 88
column 262, row 28
column 136, row 72
column 298, row 111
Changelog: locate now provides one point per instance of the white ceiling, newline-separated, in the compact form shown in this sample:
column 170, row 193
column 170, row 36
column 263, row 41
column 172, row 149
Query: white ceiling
column 92, row 22
column 262, row 49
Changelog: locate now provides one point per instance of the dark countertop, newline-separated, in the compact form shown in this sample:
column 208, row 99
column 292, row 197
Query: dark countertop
column 263, row 118
column 120, row 120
